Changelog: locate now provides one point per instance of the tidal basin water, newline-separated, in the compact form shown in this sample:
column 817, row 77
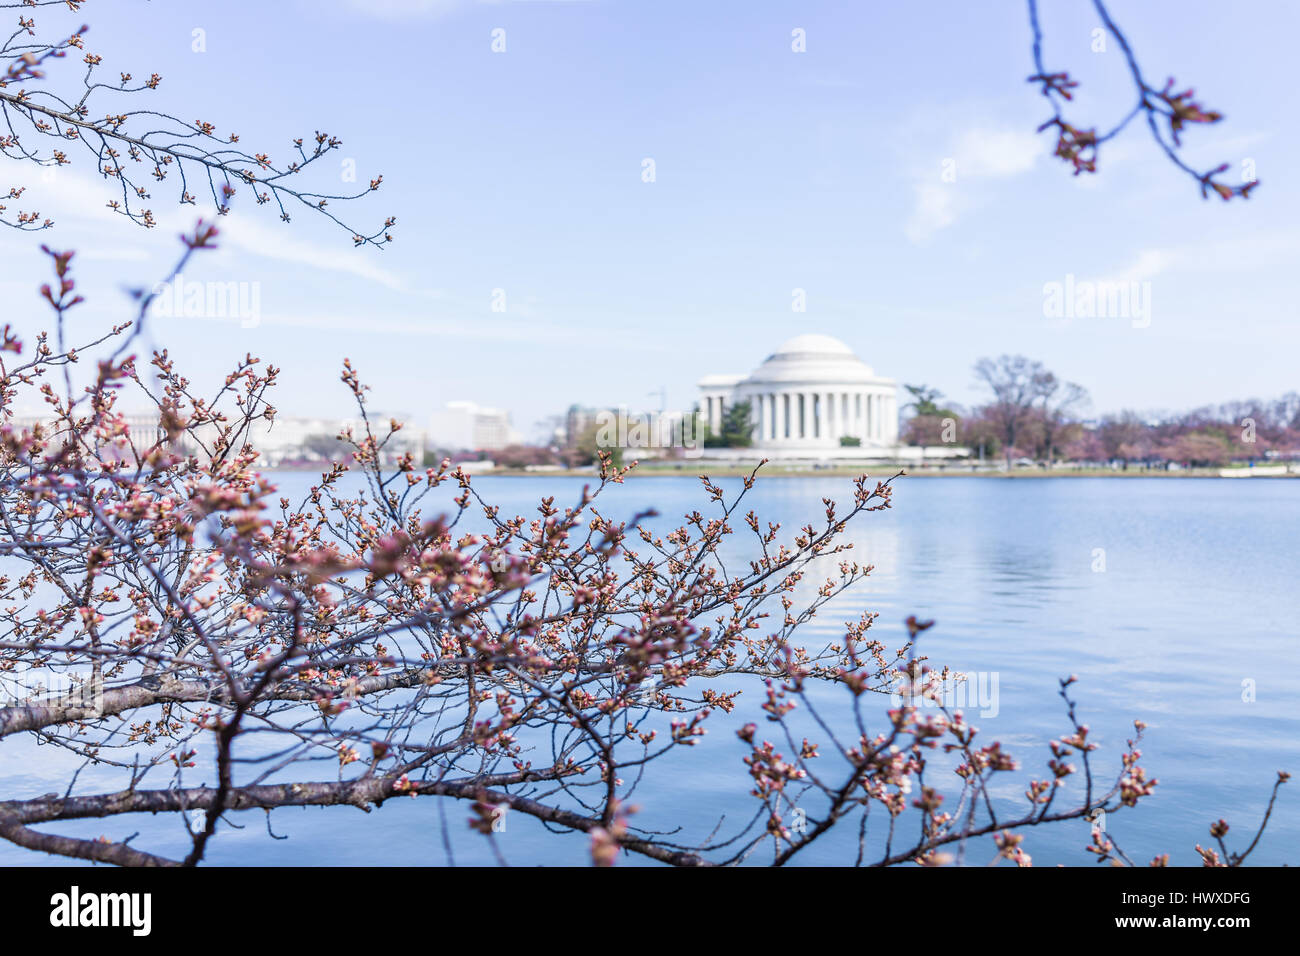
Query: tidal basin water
column 1192, row 626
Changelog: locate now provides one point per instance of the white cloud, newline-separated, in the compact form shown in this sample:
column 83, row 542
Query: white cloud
column 935, row 209
column 978, row 155
column 996, row 154
column 464, row 328
column 121, row 254
column 1267, row 251
column 74, row 197
column 1149, row 264
column 277, row 242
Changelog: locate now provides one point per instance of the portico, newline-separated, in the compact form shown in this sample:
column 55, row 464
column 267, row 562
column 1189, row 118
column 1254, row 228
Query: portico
column 810, row 393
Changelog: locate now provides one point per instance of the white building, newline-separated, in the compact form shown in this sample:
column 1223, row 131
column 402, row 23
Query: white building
column 465, row 425
column 807, row 395
column 293, row 439
column 284, row 440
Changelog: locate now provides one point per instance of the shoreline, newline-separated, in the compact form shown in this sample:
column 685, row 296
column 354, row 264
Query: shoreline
column 841, row 472
column 694, row 470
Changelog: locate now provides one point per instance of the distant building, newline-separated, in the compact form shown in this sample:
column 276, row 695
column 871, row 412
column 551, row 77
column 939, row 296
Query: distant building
column 579, row 419
column 651, row 434
column 143, row 431
column 296, row 440
column 284, row 440
column 469, row 426
column 807, row 395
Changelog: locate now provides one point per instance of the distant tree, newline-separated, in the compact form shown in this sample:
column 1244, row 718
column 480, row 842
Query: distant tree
column 1057, row 402
column 591, row 442
column 929, row 423
column 1018, row 385
column 1286, row 411
column 926, row 430
column 325, row 447
column 980, row 434
column 850, row 441
column 924, row 400
column 1086, row 445
column 523, row 456
column 1197, row 450
column 1125, row 437
column 737, row 429
column 433, row 457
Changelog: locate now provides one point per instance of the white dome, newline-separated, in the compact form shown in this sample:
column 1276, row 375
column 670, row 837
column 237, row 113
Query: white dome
column 813, row 343
column 812, row 396
column 812, row 359
column 720, row 381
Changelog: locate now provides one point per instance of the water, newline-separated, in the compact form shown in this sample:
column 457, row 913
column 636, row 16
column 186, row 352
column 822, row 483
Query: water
column 1198, row 595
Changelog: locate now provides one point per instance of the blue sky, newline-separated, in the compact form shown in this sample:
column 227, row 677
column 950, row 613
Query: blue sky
column 775, row 170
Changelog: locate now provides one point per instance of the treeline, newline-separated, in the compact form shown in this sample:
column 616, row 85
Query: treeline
column 1031, row 414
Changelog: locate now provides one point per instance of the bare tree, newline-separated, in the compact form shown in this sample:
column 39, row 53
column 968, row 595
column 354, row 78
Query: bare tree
column 1017, row 384
column 1167, row 110
column 138, row 149
column 1058, row 401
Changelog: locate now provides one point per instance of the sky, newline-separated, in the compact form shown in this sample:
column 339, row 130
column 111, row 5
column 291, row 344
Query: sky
column 520, row 177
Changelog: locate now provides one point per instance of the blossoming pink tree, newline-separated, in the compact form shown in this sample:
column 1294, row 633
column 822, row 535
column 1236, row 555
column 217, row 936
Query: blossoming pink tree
column 225, row 649
column 202, row 646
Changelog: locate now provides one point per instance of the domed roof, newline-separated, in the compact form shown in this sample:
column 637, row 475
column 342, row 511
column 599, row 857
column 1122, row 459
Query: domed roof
column 813, row 359
column 823, row 344
column 720, row 381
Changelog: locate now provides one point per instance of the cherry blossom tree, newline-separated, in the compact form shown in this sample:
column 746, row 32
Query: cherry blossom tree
column 222, row 648
column 144, row 153
column 205, row 648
